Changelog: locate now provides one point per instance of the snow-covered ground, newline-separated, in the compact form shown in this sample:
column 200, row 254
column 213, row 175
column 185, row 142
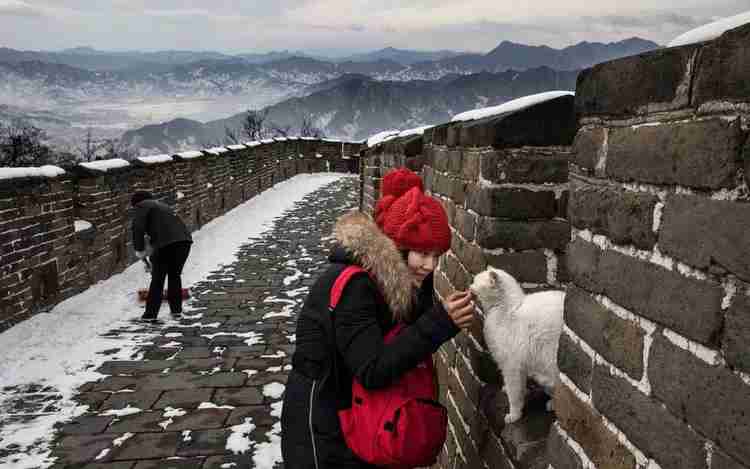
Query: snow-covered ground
column 62, row 348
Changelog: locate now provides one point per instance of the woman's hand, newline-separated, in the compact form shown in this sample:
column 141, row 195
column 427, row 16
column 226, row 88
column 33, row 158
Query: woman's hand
column 460, row 308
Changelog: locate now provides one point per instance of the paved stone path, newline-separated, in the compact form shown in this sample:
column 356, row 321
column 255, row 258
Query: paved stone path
column 216, row 378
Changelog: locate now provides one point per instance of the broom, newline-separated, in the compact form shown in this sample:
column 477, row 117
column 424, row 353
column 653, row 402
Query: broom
column 143, row 292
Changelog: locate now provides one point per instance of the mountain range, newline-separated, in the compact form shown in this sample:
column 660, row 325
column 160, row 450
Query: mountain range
column 116, row 91
column 354, row 107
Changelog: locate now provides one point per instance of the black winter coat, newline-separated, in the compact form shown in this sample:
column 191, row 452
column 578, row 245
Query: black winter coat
column 333, row 347
column 159, row 222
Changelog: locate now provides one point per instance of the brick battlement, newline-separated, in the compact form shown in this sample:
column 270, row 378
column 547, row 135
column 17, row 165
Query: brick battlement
column 45, row 259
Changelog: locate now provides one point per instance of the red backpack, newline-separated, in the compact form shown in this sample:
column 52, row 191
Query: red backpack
column 401, row 426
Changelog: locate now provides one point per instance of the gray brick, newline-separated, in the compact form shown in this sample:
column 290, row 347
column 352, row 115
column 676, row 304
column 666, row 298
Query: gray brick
column 736, row 340
column 493, row 233
column 574, row 362
column 625, row 217
column 587, row 146
column 689, row 306
column 723, row 72
column 710, row 398
column 695, row 154
column 512, row 203
column 646, row 423
column 620, row 342
column 707, row 233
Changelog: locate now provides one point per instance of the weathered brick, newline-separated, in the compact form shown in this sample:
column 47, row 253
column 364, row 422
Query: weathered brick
column 470, row 255
column 465, row 223
column 687, row 305
column 513, row 203
column 623, row 86
column 736, row 340
column 705, row 233
column 470, row 166
column 493, row 454
column 494, row 233
column 646, row 423
column 723, row 72
column 524, row 166
column 526, row 266
column 552, row 122
column 712, row 399
column 620, row 342
column 701, row 154
column 588, row 146
column 719, row 460
column 560, row 454
column 625, row 217
column 587, row 428
column 574, row 362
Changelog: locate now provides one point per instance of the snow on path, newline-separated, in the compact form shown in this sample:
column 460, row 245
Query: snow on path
column 61, row 348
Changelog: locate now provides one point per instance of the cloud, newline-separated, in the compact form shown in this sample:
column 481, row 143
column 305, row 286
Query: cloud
column 19, row 8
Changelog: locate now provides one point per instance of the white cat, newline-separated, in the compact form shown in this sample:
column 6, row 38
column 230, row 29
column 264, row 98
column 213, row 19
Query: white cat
column 522, row 332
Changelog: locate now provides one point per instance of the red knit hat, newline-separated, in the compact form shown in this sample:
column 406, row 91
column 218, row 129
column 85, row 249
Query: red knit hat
column 395, row 184
column 417, row 222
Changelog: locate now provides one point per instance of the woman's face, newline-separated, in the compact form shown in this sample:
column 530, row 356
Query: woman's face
column 421, row 264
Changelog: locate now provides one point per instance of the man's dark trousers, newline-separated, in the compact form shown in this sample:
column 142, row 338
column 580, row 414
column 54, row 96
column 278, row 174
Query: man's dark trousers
column 167, row 262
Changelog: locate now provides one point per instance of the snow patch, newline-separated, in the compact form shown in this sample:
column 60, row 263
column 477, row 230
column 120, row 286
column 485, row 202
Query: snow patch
column 710, row 31
column 380, row 137
column 239, row 441
column 189, row 155
column 82, row 225
column 105, row 165
column 47, row 171
column 510, row 106
column 156, row 159
column 273, row 390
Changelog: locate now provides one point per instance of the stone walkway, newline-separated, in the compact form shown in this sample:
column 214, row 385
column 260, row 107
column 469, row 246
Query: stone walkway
column 213, row 381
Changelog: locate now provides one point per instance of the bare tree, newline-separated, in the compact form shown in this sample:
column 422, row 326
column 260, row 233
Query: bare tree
column 116, row 148
column 280, row 130
column 254, row 125
column 21, row 144
column 231, row 136
column 307, row 129
column 89, row 148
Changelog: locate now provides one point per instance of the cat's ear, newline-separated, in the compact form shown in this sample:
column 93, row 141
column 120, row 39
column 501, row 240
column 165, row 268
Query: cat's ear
column 494, row 277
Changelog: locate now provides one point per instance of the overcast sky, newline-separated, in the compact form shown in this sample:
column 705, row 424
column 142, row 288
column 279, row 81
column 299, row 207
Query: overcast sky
column 345, row 25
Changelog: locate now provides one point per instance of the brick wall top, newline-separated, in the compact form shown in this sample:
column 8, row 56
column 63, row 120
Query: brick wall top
column 670, row 79
column 552, row 122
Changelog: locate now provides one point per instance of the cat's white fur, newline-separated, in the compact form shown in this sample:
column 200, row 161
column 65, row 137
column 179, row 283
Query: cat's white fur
column 522, row 333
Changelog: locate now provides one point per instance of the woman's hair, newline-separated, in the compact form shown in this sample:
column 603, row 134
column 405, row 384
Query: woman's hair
column 140, row 196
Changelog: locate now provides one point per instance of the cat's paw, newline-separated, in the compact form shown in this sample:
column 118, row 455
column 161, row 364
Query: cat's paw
column 512, row 417
column 550, row 405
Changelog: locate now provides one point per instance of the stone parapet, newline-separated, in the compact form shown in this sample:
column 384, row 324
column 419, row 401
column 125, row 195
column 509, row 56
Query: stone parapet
column 59, row 235
column 654, row 353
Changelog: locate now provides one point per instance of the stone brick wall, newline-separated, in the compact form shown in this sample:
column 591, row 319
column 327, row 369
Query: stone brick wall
column 44, row 259
column 655, row 354
column 505, row 192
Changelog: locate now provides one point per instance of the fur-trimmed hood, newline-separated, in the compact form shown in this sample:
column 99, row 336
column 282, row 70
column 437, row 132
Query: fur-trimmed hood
column 377, row 254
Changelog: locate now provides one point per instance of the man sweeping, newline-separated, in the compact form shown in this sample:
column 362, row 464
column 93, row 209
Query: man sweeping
column 170, row 240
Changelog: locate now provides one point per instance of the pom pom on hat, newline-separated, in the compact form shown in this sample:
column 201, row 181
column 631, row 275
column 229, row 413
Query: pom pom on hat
column 395, row 183
column 399, row 181
column 416, row 222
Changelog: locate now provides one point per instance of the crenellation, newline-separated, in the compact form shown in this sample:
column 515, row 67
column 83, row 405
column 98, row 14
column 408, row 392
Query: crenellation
column 37, row 215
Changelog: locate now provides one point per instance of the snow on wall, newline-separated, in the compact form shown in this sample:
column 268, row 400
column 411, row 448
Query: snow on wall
column 189, row 155
column 155, row 159
column 252, row 144
column 711, row 30
column 236, row 147
column 47, row 171
column 216, row 150
column 105, row 165
column 511, row 106
column 415, row 131
column 380, row 137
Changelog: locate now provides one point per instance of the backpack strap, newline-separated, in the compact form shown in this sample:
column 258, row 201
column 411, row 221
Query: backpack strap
column 338, row 286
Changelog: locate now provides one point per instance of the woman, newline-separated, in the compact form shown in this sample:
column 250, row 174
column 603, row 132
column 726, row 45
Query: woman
column 399, row 253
